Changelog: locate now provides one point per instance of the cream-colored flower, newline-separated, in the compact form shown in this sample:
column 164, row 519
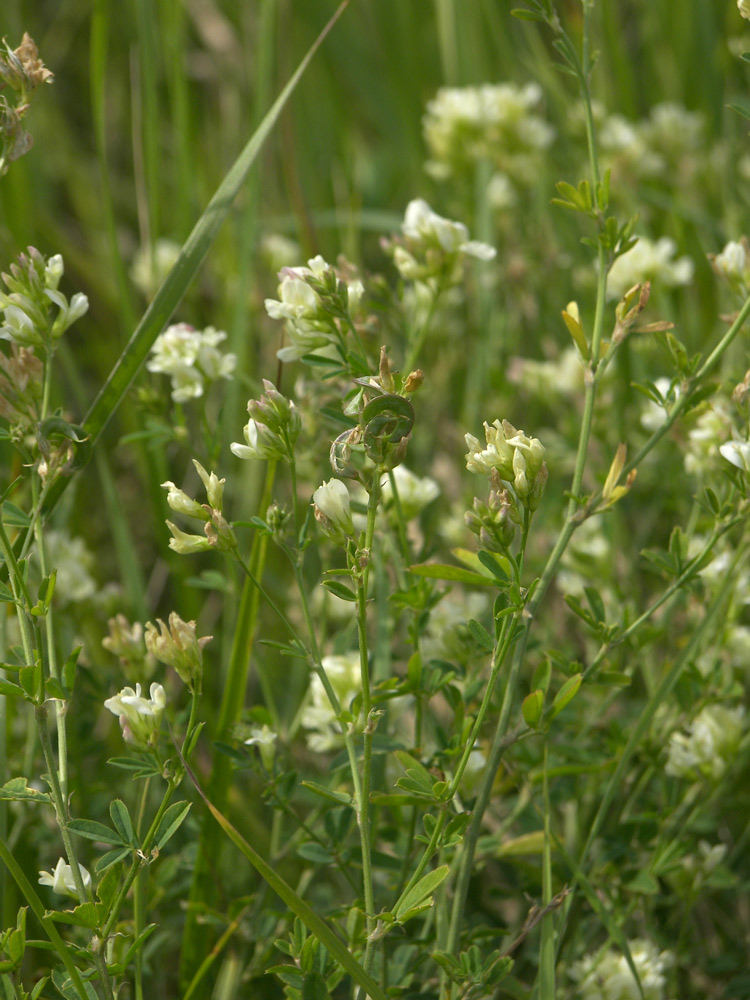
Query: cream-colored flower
column 61, row 879
column 140, row 718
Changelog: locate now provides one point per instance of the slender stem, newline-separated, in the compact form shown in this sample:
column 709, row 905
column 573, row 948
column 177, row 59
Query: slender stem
column 498, row 658
column 687, row 574
column 60, row 707
column 361, row 579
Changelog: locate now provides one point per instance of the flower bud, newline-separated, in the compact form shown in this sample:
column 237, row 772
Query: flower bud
column 333, row 510
column 179, row 647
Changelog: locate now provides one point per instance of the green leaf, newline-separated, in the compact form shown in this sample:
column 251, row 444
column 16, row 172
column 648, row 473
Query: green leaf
column 121, row 819
column 67, row 988
column 92, row 830
column 444, row 571
column 17, row 789
column 498, row 566
column 481, row 635
column 532, row 708
column 339, row 590
column 69, row 670
column 644, row 884
column 111, row 858
column 314, row 987
column 11, row 689
column 31, row 680
column 6, row 595
column 328, row 793
column 14, row 517
column 566, row 694
column 171, row 821
column 741, row 109
column 419, row 892
column 84, row 915
column 316, row 853
column 108, row 885
column 54, row 689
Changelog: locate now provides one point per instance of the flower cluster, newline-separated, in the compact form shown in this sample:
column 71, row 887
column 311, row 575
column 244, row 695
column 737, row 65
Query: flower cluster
column 217, row 531
column 74, row 564
column 126, row 642
column 733, row 265
column 433, row 248
column 494, row 122
column 179, row 647
column 649, row 261
column 191, row 358
column 710, row 430
column 708, row 746
column 518, row 459
column 21, row 374
column 273, row 427
column 414, row 492
column 140, row 718
column 607, row 976
column 318, row 304
column 660, row 145
column 318, row 716
column 23, row 71
column 35, row 312
column 62, row 881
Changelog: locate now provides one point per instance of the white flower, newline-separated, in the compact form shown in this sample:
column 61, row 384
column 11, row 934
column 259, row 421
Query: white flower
column 518, row 458
column 711, row 429
column 562, row 376
column 649, row 261
column 738, row 453
column 709, row 744
column 425, row 227
column 264, row 738
column 732, row 264
column 74, row 564
column 343, row 672
column 414, row 492
column 139, row 717
column 190, row 357
column 309, row 315
column 491, row 122
column 61, row 879
column 333, row 509
column 607, row 976
column 743, row 6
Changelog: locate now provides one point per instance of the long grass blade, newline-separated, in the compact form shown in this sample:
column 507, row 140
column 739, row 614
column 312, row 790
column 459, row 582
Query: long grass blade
column 188, row 263
column 315, row 924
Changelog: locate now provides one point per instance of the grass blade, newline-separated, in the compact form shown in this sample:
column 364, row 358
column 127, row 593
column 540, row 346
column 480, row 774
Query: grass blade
column 315, row 924
column 191, row 257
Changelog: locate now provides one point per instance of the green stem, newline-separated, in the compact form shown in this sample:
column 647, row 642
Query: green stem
column 498, row 658
column 61, row 813
column 361, row 580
